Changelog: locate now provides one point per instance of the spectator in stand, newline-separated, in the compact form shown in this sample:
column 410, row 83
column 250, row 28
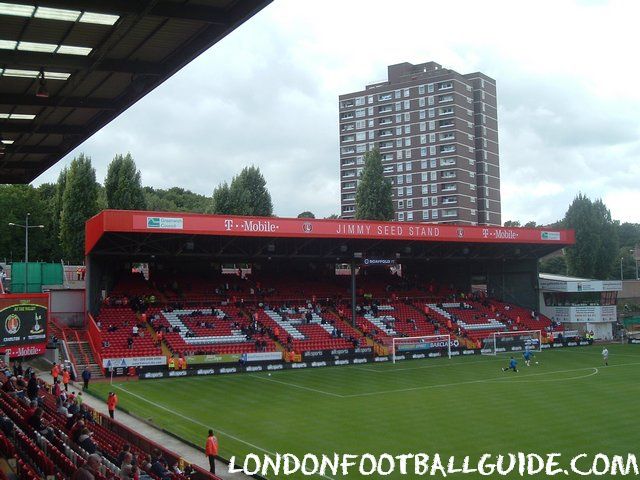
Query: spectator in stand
column 126, row 450
column 134, row 330
column 86, row 442
column 86, row 378
column 76, row 430
column 130, row 343
column 89, row 470
column 112, row 403
column 39, row 425
column 32, row 387
column 159, row 465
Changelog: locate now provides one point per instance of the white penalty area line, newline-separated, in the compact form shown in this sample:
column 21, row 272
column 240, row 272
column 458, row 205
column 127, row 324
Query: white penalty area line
column 196, row 422
column 579, row 377
column 440, row 365
column 295, row 385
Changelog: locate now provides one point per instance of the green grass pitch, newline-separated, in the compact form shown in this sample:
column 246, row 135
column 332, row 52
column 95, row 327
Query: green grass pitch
column 570, row 403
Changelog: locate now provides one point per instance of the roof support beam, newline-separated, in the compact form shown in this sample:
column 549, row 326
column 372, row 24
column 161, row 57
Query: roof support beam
column 48, row 129
column 53, row 61
column 164, row 9
column 57, row 101
column 33, row 149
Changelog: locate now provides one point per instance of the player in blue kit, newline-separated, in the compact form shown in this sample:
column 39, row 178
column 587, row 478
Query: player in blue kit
column 527, row 357
column 513, row 365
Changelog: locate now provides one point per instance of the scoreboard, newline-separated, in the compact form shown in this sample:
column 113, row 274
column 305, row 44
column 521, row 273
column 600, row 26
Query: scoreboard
column 23, row 324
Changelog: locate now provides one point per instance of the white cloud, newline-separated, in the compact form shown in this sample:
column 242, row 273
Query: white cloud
column 267, row 95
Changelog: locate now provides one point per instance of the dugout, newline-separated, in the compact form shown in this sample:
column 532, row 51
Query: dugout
column 504, row 259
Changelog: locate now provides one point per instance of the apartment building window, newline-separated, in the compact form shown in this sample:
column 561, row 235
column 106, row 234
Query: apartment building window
column 434, row 213
column 450, row 212
column 360, row 160
column 407, row 166
column 423, row 126
column 407, row 129
column 470, row 149
column 485, row 154
column 434, row 175
column 423, row 114
column 432, row 125
column 370, row 99
column 401, row 191
column 398, row 142
column 447, row 123
column 372, row 135
column 470, row 136
column 397, row 94
column 421, row 102
column 446, row 111
column 423, row 164
column 401, row 216
column 432, row 137
column 400, row 167
column 432, row 164
column 399, row 153
column 360, row 136
column 347, row 138
column 398, row 106
column 385, row 144
column 472, row 187
column 425, row 214
column 423, row 151
column 420, row 89
column 407, row 153
column 347, row 150
column 370, row 122
column 387, row 157
column 473, row 212
column 434, row 188
column 349, row 185
column 360, row 124
column 425, row 189
column 486, row 203
column 409, row 192
column 468, row 88
column 400, row 179
column 432, row 150
column 407, row 104
column 425, row 201
column 409, row 215
column 348, row 209
column 370, row 110
column 469, row 112
column 449, row 174
column 361, row 148
column 385, row 97
column 407, row 178
column 386, row 121
column 407, row 117
column 398, row 130
column 400, row 203
column 445, row 98
column 469, row 100
column 431, row 100
column 432, row 112
column 445, row 85
column 360, row 113
column 407, row 142
column 399, row 118
column 430, row 88
column 406, row 92
column 409, row 202
column 423, row 139
column 359, row 101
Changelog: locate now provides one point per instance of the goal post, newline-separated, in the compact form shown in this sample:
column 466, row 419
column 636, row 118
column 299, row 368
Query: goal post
column 516, row 341
column 439, row 343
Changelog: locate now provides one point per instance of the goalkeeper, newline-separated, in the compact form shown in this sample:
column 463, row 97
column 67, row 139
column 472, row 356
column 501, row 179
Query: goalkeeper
column 513, row 365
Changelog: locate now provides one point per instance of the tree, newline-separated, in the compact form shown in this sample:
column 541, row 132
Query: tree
column 221, row 201
column 596, row 247
column 79, row 203
column 333, row 216
column 248, row 194
column 512, row 223
column 123, row 186
column 306, row 214
column 373, row 196
column 556, row 265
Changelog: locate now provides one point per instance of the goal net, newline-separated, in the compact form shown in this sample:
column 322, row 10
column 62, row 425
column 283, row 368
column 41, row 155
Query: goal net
column 430, row 343
column 505, row 342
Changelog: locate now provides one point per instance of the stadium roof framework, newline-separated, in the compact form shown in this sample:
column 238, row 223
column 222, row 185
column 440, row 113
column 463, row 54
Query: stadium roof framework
column 139, row 234
column 69, row 67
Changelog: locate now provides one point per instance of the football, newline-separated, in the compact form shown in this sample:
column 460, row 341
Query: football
column 536, row 363
column 268, row 374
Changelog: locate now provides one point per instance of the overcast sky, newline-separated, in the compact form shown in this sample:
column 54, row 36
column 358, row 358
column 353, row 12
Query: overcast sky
column 568, row 101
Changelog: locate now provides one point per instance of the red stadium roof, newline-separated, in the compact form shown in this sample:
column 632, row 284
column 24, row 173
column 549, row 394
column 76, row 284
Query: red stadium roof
column 121, row 221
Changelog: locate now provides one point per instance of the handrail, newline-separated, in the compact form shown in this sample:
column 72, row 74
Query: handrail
column 86, row 359
column 92, row 330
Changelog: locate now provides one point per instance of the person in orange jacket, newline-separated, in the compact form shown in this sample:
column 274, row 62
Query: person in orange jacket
column 211, row 451
column 66, row 376
column 112, row 402
column 55, row 371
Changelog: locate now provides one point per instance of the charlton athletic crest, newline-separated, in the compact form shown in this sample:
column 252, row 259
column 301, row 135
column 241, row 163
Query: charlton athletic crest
column 460, row 232
column 307, row 227
column 12, row 324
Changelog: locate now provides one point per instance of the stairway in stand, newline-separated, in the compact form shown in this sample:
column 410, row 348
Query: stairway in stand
column 81, row 353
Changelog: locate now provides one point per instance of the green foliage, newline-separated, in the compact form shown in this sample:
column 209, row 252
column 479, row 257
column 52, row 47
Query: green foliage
column 373, row 197
column 79, row 203
column 175, row 200
column 15, row 202
column 556, row 265
column 593, row 255
column 123, row 186
column 512, row 223
column 247, row 195
column 221, row 201
column 333, row 216
column 306, row 214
